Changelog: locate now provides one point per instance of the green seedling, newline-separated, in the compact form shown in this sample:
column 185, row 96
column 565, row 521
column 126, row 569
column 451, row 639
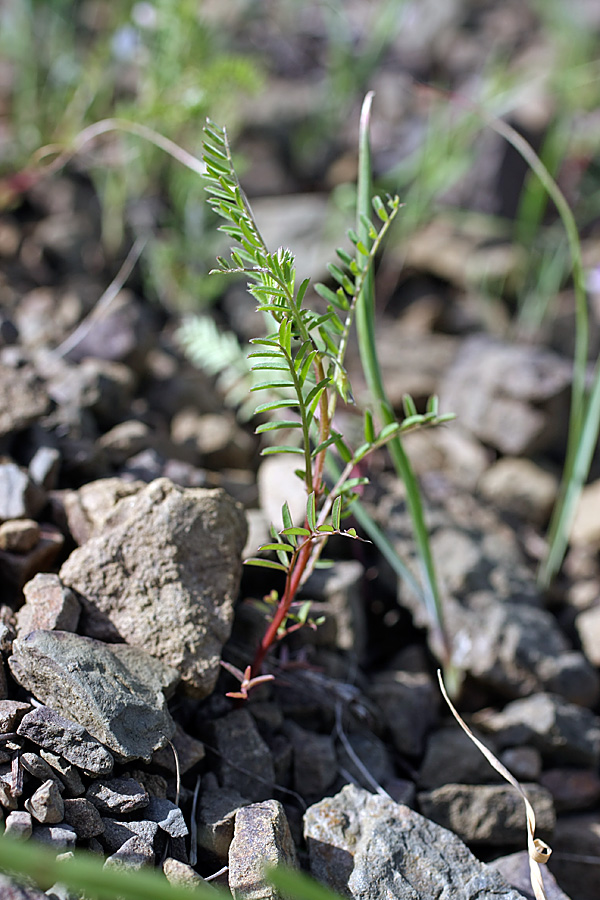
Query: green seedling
column 302, row 366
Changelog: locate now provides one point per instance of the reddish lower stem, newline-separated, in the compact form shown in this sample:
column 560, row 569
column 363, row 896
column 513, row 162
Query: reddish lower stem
column 291, row 586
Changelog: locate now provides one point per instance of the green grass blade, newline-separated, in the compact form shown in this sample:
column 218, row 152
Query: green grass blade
column 365, row 324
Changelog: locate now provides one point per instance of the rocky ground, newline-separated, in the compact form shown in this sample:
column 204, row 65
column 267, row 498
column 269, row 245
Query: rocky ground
column 128, row 497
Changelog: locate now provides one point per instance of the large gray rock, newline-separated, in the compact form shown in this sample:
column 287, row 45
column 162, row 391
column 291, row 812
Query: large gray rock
column 114, row 691
column 163, row 575
column 370, row 847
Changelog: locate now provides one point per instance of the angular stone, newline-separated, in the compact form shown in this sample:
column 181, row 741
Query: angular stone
column 19, row 568
column 114, row 691
column 11, row 713
column 39, row 768
column 48, row 606
column 488, row 814
column 46, row 804
column 261, row 838
column 52, row 731
column 83, row 816
column 189, row 752
column 164, row 574
column 451, row 756
column 135, row 853
column 409, row 702
column 572, row 789
column 116, row 833
column 10, row 890
column 563, row 732
column 369, row 847
column 167, row 816
column 515, row 869
column 59, row 837
column 216, row 816
column 68, row 774
column 374, row 755
column 20, row 498
column 90, row 507
column 520, row 487
column 576, row 849
column 19, row 535
column 117, row 795
column 512, row 397
column 238, row 743
column 177, row 872
column 588, row 628
column 22, row 398
column 18, row 824
column 315, row 766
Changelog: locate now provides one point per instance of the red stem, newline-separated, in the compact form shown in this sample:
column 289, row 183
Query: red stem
column 291, row 586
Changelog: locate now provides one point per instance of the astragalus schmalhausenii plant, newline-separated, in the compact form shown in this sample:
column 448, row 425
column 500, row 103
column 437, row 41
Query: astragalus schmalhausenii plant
column 303, row 359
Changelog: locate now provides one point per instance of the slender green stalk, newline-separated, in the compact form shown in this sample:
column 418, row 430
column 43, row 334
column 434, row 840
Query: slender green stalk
column 365, row 325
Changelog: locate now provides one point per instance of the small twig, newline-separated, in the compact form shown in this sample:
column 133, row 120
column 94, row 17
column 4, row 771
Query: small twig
column 177, row 773
column 102, row 306
column 216, row 874
column 194, row 825
column 354, row 756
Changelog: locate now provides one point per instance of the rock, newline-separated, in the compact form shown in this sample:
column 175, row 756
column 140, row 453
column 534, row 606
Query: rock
column 19, row 568
column 44, row 467
column 216, row 814
column 336, row 594
column 509, row 396
column 8, row 799
column 488, row 814
column 409, row 703
column 520, row 487
column 89, row 508
column 278, row 483
column 46, row 804
column 125, row 440
column 315, row 766
column 59, row 837
column 179, row 873
column 572, row 789
column 261, row 838
column 213, row 440
column 167, row 816
column 40, row 769
column 19, row 535
column 564, row 733
column 48, row 606
column 11, row 713
column 451, row 756
column 587, row 624
column 135, row 853
column 368, row 846
column 116, row 833
column 23, row 399
column 517, row 649
column 180, row 548
column 114, row 691
column 18, row 824
column 83, row 817
column 117, row 795
column 525, row 763
column 67, row 773
column 48, row 729
column 12, row 891
column 413, row 364
column 374, row 756
column 515, row 869
column 576, row 849
column 20, row 498
column 190, row 751
column 585, row 531
column 237, row 741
